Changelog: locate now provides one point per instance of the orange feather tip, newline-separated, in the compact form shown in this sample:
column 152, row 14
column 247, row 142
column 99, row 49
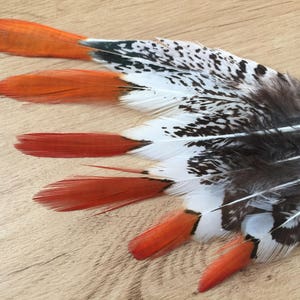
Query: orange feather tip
column 65, row 86
column 25, row 38
column 170, row 233
column 235, row 259
column 74, row 145
column 104, row 192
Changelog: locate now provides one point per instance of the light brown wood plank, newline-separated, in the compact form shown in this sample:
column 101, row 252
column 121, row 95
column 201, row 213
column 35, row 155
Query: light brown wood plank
column 48, row 255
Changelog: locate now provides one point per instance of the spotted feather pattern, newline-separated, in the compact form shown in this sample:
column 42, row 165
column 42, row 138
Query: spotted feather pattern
column 194, row 70
column 219, row 99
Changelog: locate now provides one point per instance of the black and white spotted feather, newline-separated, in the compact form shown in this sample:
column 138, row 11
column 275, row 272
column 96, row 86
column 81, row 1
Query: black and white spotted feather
column 232, row 130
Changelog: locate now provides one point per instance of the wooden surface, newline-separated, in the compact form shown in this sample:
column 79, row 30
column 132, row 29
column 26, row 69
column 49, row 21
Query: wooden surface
column 48, row 255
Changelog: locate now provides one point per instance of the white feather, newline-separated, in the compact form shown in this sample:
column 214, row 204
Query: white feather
column 205, row 200
column 259, row 226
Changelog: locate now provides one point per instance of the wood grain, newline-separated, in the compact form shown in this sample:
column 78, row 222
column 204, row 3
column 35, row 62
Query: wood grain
column 48, row 255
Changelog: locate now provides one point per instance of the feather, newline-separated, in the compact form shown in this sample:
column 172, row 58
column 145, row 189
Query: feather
column 25, row 38
column 225, row 134
column 238, row 257
column 75, row 144
column 65, row 86
column 104, row 192
column 171, row 232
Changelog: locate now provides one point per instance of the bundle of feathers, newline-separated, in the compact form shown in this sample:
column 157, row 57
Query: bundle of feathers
column 225, row 136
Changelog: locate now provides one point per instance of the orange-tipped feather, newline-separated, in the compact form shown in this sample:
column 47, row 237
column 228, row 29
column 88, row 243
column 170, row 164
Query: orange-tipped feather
column 75, row 144
column 172, row 232
column 106, row 192
column 31, row 39
column 234, row 260
column 63, row 86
